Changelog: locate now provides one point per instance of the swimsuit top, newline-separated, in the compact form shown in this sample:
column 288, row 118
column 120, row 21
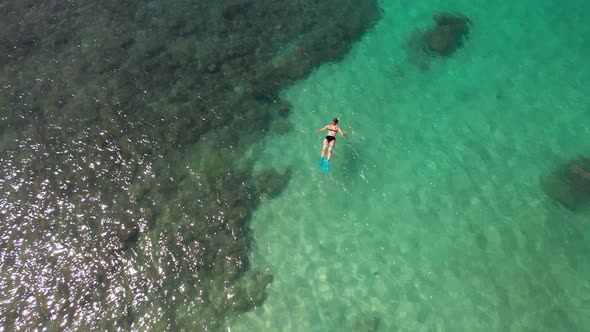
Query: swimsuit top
column 336, row 130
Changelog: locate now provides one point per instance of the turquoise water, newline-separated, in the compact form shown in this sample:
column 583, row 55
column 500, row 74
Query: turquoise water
column 158, row 167
column 432, row 217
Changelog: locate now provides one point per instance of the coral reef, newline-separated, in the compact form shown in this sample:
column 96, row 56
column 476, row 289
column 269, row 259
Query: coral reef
column 112, row 222
column 570, row 184
column 445, row 37
column 271, row 182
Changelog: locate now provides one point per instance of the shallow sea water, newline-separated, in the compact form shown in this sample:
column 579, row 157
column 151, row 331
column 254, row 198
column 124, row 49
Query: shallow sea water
column 432, row 217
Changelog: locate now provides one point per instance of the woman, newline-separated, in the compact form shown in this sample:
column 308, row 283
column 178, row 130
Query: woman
column 329, row 141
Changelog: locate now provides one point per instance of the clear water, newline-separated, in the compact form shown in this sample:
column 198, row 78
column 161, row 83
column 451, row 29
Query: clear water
column 432, row 217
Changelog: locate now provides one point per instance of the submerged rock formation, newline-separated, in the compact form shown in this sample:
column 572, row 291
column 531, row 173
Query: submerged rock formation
column 570, row 184
column 448, row 34
column 445, row 37
column 124, row 204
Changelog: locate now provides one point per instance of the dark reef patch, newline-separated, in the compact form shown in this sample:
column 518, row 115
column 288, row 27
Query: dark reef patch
column 569, row 185
column 124, row 205
column 448, row 34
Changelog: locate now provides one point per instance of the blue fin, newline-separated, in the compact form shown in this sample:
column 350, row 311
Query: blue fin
column 326, row 165
column 322, row 162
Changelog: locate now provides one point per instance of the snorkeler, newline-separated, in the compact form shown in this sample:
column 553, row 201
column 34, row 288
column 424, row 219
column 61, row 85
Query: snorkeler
column 329, row 142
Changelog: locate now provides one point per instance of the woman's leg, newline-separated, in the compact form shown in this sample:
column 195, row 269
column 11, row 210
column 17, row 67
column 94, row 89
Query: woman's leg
column 324, row 146
column 330, row 149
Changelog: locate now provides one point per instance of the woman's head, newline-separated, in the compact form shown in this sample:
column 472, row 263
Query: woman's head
column 335, row 121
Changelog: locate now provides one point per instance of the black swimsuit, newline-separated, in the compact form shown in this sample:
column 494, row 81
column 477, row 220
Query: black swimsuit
column 331, row 138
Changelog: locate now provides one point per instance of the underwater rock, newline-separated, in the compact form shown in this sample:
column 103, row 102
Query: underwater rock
column 129, row 236
column 250, row 292
column 445, row 37
column 570, row 184
column 447, row 34
column 212, row 68
column 232, row 11
column 271, row 182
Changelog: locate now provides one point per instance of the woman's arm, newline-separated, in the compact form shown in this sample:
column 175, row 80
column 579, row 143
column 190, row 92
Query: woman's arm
column 322, row 129
column 342, row 133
